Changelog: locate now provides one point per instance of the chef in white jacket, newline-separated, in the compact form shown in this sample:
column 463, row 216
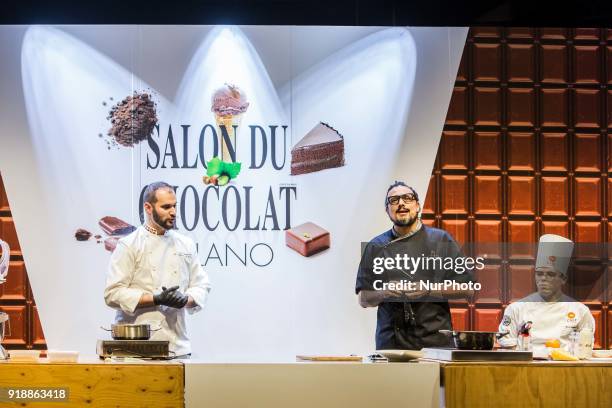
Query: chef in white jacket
column 155, row 274
column 553, row 314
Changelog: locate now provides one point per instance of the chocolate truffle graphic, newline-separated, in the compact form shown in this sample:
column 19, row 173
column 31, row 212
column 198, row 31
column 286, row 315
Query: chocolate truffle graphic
column 82, row 234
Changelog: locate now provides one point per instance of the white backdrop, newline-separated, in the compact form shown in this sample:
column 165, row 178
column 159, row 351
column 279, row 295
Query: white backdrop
column 386, row 90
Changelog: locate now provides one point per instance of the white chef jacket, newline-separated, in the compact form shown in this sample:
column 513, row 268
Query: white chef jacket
column 551, row 320
column 144, row 262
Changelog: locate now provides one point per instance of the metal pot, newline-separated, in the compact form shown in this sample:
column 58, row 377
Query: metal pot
column 474, row 340
column 4, row 319
column 130, row 331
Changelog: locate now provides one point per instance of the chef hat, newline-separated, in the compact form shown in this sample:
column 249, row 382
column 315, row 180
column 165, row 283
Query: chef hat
column 554, row 252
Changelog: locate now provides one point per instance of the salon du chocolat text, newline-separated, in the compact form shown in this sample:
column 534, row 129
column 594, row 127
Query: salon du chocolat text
column 210, row 208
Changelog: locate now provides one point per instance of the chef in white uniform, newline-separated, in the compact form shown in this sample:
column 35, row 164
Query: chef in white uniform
column 553, row 314
column 155, row 274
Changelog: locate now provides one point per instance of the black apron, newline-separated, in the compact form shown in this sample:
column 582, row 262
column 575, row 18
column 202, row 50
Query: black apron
column 416, row 323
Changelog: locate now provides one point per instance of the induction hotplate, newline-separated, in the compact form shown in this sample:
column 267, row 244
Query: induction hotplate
column 153, row 349
column 452, row 354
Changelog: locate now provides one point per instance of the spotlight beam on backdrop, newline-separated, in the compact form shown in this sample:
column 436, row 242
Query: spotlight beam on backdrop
column 365, row 90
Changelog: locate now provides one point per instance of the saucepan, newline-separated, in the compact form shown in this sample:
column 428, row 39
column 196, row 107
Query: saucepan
column 131, row 331
column 3, row 319
column 473, row 340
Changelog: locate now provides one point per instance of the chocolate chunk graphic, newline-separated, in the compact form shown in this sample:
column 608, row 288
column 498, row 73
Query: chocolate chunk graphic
column 132, row 119
column 115, row 226
column 82, row 234
column 110, row 243
column 307, row 239
column 321, row 148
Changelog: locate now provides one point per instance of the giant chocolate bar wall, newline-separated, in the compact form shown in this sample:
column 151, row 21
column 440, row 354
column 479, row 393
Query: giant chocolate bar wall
column 16, row 297
column 525, row 151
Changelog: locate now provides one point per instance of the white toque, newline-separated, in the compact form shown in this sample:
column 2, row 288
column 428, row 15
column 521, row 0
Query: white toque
column 554, row 252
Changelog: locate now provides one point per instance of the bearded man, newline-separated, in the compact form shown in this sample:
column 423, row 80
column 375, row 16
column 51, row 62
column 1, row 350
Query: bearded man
column 155, row 275
column 410, row 318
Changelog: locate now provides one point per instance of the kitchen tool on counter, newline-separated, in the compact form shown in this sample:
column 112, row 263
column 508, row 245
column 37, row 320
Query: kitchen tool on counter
column 401, row 355
column 585, row 344
column 4, row 321
column 153, row 349
column 329, row 358
column 133, row 340
column 130, row 331
column 473, row 340
column 524, row 337
column 5, row 255
column 448, row 354
column 377, row 358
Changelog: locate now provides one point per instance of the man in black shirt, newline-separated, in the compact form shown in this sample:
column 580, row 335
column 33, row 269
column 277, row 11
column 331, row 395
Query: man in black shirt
column 417, row 257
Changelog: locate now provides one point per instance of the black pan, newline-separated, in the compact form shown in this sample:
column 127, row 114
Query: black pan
column 473, row 340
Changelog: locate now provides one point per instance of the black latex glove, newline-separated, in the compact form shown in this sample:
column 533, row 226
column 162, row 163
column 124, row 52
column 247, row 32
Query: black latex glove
column 171, row 297
column 177, row 299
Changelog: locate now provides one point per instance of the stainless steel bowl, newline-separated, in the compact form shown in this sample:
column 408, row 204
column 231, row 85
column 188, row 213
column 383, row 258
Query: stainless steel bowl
column 3, row 320
column 130, row 331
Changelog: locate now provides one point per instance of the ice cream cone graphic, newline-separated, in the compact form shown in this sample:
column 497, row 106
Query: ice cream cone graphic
column 228, row 104
column 228, row 121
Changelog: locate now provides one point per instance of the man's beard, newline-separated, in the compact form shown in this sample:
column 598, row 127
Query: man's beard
column 157, row 219
column 405, row 223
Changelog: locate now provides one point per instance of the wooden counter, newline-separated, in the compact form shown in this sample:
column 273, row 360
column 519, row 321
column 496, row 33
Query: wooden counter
column 527, row 384
column 96, row 383
column 192, row 383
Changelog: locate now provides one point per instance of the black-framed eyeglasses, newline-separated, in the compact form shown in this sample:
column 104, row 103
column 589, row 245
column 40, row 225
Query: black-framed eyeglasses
column 406, row 199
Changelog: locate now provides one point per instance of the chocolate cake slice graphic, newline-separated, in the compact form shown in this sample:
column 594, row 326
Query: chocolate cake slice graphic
column 321, row 148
